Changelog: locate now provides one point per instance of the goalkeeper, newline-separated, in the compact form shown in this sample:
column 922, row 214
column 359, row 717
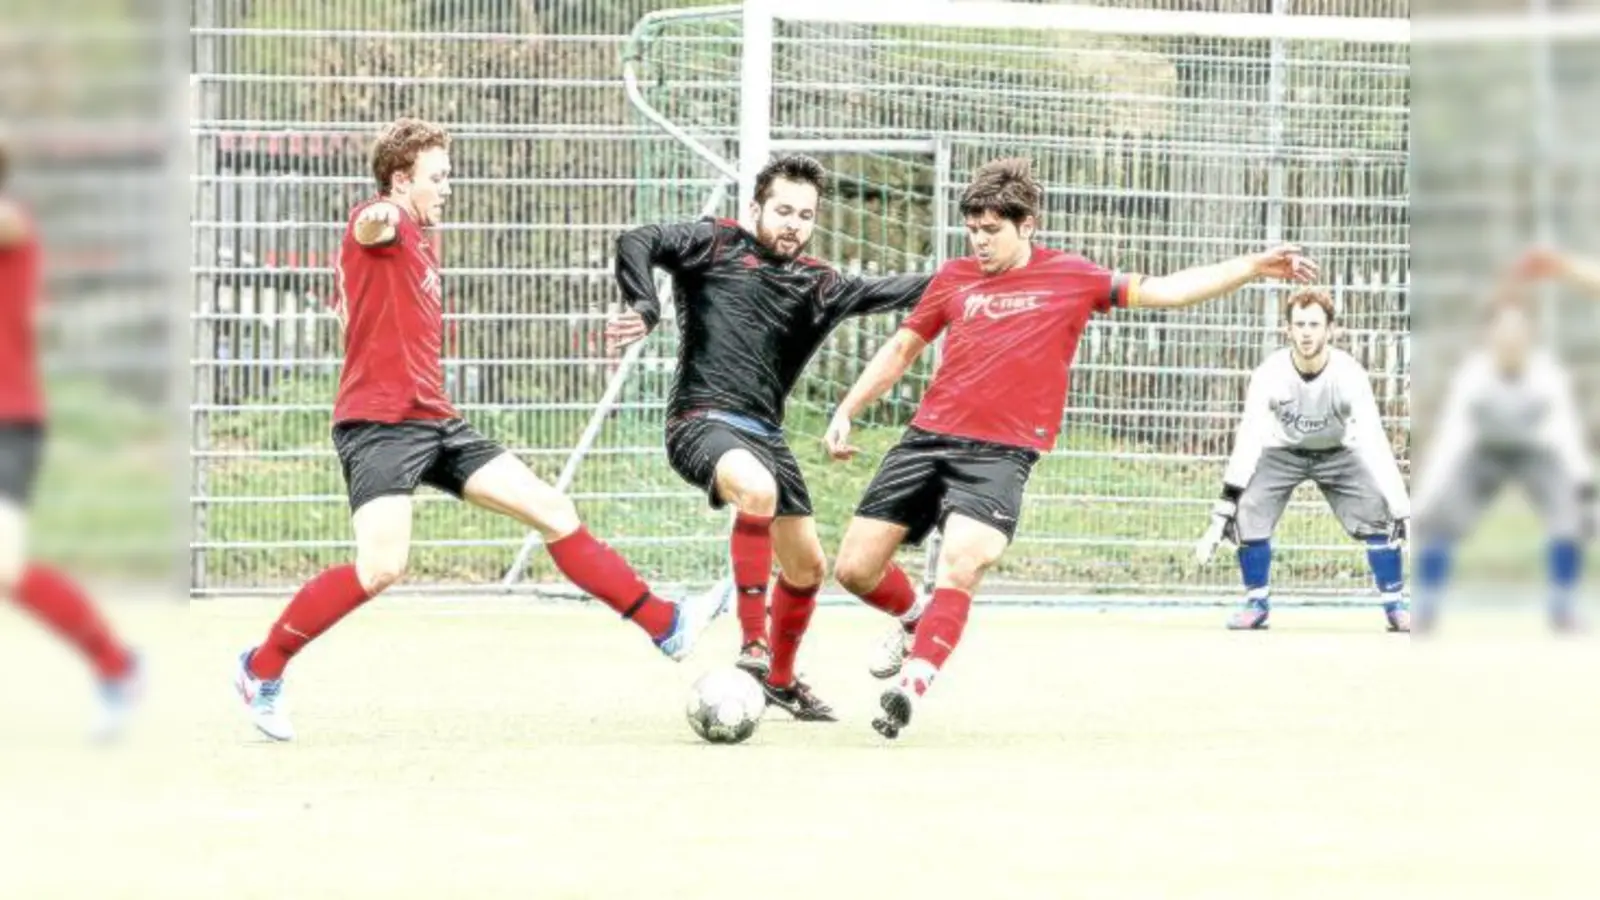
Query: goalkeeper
column 1510, row 415
column 1310, row 415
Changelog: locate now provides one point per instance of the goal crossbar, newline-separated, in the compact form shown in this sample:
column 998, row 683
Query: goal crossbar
column 997, row 14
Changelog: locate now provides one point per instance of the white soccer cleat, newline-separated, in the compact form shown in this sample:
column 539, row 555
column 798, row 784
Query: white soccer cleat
column 118, row 699
column 264, row 699
column 898, row 702
column 693, row 615
column 890, row 653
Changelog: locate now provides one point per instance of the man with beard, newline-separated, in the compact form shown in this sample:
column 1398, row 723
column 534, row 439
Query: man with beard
column 1310, row 416
column 752, row 311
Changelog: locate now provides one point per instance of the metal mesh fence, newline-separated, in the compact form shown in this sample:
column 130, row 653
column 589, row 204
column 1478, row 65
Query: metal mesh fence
column 90, row 117
column 1159, row 153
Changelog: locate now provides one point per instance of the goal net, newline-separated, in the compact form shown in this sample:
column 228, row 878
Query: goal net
column 1164, row 140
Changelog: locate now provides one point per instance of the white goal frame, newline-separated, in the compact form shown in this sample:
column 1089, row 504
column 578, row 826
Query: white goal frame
column 759, row 19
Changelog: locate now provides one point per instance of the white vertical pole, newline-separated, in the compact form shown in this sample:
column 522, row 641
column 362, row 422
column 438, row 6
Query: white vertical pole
column 755, row 96
column 1277, row 181
column 1545, row 158
column 941, row 225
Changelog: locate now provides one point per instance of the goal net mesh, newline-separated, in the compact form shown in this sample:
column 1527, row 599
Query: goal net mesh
column 1157, row 153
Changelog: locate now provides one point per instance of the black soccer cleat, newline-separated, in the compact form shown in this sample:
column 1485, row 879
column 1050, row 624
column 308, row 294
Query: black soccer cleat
column 797, row 700
column 896, row 705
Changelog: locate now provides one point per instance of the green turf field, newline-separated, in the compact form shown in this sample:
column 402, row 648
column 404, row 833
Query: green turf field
column 501, row 749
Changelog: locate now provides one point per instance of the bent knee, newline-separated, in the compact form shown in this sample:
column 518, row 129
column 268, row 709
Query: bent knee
column 857, row 574
column 964, row 567
column 378, row 571
column 807, row 572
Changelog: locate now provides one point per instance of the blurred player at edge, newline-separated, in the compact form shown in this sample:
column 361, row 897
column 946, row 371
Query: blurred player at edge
column 1013, row 313
column 752, row 311
column 1510, row 414
column 51, row 596
column 394, row 429
column 1309, row 415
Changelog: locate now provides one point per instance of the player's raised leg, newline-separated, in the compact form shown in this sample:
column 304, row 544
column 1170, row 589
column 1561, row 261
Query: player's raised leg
column 802, row 567
column 750, row 487
column 505, row 485
column 866, row 568
column 55, row 600
column 382, row 526
column 969, row 548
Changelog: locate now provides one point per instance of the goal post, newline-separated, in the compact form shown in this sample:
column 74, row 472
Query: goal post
column 1164, row 139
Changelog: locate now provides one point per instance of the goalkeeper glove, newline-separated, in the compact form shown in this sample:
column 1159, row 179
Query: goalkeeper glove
column 1224, row 526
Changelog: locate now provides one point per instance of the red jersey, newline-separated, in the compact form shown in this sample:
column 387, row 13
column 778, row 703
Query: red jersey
column 1003, row 374
column 21, row 400
column 390, row 301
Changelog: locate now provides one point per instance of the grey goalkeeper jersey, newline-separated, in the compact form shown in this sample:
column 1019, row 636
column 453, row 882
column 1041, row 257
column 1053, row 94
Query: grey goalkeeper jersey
column 1486, row 410
column 1285, row 410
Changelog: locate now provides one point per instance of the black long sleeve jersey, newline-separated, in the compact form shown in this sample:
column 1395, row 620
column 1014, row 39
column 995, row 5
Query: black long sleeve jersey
column 749, row 320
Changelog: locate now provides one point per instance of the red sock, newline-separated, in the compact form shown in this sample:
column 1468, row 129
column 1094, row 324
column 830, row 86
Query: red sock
column 320, row 603
column 894, row 593
column 939, row 629
column 751, row 545
column 592, row 565
column 61, row 604
column 791, row 615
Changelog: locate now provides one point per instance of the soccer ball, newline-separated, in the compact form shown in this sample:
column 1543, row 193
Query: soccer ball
column 725, row 705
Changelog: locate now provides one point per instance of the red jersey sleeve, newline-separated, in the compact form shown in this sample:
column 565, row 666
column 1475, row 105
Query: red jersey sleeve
column 932, row 312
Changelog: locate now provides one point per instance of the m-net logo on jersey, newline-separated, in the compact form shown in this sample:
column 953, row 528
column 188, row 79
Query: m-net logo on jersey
column 1002, row 306
column 1290, row 418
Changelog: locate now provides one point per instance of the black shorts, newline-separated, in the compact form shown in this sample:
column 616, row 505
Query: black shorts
column 695, row 442
column 380, row 458
column 21, row 452
column 928, row 476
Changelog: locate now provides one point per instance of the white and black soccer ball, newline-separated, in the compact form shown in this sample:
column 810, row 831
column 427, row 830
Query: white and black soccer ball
column 725, row 705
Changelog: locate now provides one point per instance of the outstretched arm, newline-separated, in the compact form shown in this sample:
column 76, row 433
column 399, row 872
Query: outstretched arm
column 1583, row 274
column 378, row 225
column 888, row 366
column 859, row 296
column 1201, row 283
column 677, row 248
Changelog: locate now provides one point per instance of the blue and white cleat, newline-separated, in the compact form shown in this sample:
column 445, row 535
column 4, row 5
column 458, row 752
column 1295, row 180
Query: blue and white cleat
column 118, row 699
column 264, row 698
column 691, row 616
column 1252, row 618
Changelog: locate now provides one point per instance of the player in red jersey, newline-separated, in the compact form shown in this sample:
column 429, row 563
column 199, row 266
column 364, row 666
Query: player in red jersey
column 395, row 429
column 1013, row 313
column 50, row 595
